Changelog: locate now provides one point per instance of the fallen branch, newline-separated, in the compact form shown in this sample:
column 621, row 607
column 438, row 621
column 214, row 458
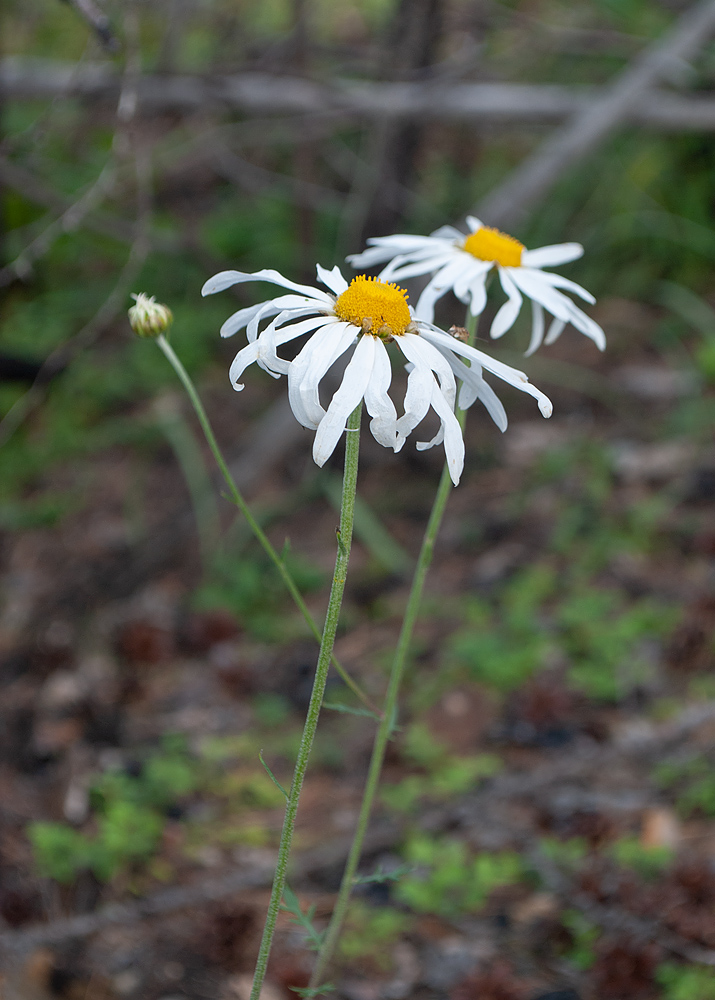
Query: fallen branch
column 262, row 93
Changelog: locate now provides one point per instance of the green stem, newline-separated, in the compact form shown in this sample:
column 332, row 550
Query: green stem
column 387, row 724
column 237, row 498
column 345, row 532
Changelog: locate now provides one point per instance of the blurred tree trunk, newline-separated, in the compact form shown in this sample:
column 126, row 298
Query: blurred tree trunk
column 304, row 155
column 410, row 47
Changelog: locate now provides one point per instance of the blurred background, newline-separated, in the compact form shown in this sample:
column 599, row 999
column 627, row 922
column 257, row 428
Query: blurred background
column 547, row 826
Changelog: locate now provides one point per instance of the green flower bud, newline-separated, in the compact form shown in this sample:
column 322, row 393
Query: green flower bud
column 149, row 318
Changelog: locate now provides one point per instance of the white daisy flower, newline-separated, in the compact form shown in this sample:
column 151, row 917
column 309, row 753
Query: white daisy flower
column 461, row 264
column 367, row 314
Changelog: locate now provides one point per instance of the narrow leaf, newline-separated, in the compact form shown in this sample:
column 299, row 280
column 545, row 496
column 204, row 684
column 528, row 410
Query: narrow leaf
column 336, row 706
column 271, row 775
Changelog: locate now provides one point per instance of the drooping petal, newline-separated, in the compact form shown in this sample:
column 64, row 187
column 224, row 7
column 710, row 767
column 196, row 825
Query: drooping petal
column 558, row 281
column 555, row 331
column 473, row 274
column 225, row 279
column 379, row 405
column 475, row 388
column 245, row 357
column 511, row 375
column 309, row 367
column 504, row 319
column 450, row 431
column 551, row 256
column 558, row 304
column 351, row 391
column 537, row 328
column 420, row 352
column 273, row 336
column 417, row 398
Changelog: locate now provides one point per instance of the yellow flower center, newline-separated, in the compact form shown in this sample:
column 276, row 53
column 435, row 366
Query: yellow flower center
column 378, row 307
column 490, row 244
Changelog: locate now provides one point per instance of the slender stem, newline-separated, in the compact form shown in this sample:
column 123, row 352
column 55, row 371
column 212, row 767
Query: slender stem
column 237, row 498
column 345, row 532
column 387, row 724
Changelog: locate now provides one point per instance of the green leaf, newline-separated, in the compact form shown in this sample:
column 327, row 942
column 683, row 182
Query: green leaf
column 272, row 776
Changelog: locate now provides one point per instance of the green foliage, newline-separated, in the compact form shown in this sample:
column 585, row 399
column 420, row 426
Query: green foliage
column 584, row 936
column 128, row 818
column 505, row 642
column 249, row 587
column 694, row 783
column 686, row 982
column 648, row 862
column 567, row 854
column 503, row 645
column 451, row 882
column 291, row 904
column 60, row 851
column 446, row 775
column 372, row 933
column 602, row 642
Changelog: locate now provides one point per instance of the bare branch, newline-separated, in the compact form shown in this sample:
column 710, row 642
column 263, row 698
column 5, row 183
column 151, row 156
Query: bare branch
column 98, row 21
column 261, row 93
column 535, row 176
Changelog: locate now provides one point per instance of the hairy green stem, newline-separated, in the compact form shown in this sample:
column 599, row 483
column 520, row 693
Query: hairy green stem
column 389, row 716
column 345, row 532
column 261, row 536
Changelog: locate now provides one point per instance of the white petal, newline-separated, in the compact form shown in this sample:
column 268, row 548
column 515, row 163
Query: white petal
column 379, row 405
column 511, row 375
column 332, row 279
column 417, row 397
column 410, row 265
column 439, row 285
column 504, row 319
column 448, row 233
column 475, row 272
column 452, row 433
column 239, row 319
column 474, row 223
column 385, row 247
column 558, row 281
column 309, row 367
column 227, row 278
column 555, row 331
column 537, row 328
column 272, row 337
column 351, row 391
column 551, row 256
column 267, row 309
column 475, row 388
column 420, row 352
column 245, row 357
column 478, row 293
column 559, row 304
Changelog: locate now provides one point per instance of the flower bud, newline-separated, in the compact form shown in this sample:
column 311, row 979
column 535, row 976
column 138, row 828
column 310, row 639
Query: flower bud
column 149, row 318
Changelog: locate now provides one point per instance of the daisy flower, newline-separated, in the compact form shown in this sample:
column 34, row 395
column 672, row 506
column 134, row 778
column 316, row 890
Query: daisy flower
column 462, row 263
column 367, row 314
